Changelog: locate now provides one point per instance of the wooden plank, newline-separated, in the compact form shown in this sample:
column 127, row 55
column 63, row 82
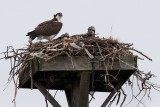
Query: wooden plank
column 65, row 67
column 84, row 89
column 24, row 78
column 75, row 94
column 46, row 94
column 27, row 73
column 117, row 87
column 68, row 63
column 83, row 63
column 63, row 80
column 78, row 94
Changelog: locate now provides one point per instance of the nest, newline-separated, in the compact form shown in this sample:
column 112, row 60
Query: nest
column 76, row 45
column 79, row 47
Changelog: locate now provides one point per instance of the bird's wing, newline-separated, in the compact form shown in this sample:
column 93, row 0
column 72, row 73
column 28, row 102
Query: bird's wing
column 48, row 28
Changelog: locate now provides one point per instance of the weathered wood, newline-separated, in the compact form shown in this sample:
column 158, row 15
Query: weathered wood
column 75, row 94
column 84, row 89
column 117, row 87
column 49, row 97
column 72, row 74
column 78, row 94
column 27, row 73
column 83, row 63
column 64, row 69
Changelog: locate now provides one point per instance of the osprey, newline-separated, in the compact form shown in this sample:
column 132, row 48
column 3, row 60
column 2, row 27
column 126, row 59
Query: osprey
column 91, row 31
column 48, row 29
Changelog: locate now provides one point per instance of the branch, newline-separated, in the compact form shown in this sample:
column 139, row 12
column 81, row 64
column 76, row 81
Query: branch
column 141, row 53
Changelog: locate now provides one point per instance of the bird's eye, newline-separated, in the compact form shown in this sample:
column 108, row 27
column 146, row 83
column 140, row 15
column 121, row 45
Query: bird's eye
column 60, row 14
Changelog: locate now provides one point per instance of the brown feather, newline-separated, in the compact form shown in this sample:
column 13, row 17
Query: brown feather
column 48, row 28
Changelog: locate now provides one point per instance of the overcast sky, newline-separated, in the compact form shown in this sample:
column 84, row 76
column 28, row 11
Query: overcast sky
column 132, row 21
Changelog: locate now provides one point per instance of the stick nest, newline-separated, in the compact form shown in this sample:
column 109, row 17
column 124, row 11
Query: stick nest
column 77, row 45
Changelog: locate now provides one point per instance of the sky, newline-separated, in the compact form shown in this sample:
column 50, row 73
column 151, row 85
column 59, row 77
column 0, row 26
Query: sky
column 130, row 21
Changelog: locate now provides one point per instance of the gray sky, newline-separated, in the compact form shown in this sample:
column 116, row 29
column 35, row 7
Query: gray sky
column 132, row 21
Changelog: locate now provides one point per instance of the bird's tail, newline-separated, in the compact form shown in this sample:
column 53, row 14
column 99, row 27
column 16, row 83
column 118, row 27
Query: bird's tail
column 32, row 35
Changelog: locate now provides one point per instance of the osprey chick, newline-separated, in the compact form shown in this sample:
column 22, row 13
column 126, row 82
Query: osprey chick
column 91, row 31
column 48, row 29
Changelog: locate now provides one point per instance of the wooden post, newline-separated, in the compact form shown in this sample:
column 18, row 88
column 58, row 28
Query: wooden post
column 49, row 97
column 78, row 95
column 84, row 90
column 75, row 94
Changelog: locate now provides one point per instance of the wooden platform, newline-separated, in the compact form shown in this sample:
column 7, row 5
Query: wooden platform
column 79, row 74
column 60, row 72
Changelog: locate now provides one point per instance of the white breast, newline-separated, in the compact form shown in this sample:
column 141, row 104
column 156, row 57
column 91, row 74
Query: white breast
column 46, row 37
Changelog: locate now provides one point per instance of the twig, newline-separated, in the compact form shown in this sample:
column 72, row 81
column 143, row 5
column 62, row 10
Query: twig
column 141, row 53
column 124, row 97
column 55, row 94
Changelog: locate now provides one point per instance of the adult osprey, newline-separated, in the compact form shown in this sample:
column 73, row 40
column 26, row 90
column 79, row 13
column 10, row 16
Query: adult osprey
column 48, row 29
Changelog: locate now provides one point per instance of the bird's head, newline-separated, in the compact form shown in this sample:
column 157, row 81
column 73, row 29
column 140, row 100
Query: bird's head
column 58, row 17
column 65, row 35
column 91, row 29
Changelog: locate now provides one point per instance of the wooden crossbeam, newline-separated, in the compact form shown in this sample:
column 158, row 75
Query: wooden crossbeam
column 46, row 94
column 116, row 88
